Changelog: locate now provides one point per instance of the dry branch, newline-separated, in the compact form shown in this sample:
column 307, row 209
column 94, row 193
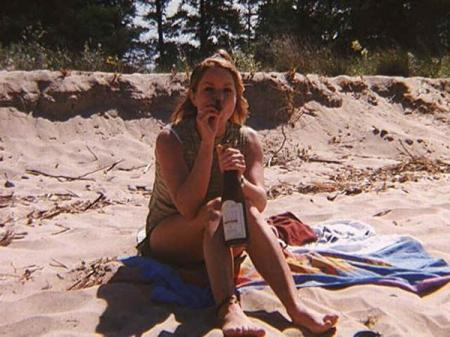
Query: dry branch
column 92, row 152
column 81, row 177
column 269, row 162
column 97, row 272
column 58, row 177
column 9, row 235
column 350, row 181
column 73, row 208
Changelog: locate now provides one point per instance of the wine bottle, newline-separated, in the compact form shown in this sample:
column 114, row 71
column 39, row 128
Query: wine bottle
column 234, row 219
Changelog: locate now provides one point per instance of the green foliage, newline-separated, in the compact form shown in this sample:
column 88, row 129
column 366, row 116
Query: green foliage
column 246, row 62
column 391, row 37
column 444, row 69
column 398, row 62
column 392, row 62
column 287, row 52
column 70, row 24
column 31, row 56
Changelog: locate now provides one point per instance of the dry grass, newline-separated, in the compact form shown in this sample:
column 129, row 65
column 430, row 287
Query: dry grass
column 9, row 235
column 92, row 274
column 351, row 181
column 73, row 208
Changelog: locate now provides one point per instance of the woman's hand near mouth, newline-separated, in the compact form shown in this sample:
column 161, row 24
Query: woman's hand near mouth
column 208, row 122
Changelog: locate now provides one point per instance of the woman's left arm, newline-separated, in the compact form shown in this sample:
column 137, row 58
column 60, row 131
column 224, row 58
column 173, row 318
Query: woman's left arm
column 253, row 178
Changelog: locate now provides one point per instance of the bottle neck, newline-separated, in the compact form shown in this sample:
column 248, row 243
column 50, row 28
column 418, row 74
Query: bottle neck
column 230, row 185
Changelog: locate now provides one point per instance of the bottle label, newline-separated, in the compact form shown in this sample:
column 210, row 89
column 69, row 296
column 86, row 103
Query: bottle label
column 233, row 220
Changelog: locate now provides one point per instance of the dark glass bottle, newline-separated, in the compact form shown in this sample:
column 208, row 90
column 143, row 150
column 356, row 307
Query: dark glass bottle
column 234, row 217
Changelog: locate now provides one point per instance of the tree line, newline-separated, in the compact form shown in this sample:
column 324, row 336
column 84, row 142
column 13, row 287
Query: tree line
column 265, row 34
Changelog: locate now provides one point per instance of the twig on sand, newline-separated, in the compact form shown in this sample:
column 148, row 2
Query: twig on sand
column 64, row 229
column 382, row 213
column 147, row 167
column 5, row 200
column 113, row 165
column 100, row 197
column 107, row 168
column 92, row 152
column 56, row 263
column 406, row 150
column 280, row 148
column 131, row 168
column 73, row 194
column 28, row 272
column 58, row 177
column 9, row 235
column 97, row 272
column 320, row 160
column 73, row 208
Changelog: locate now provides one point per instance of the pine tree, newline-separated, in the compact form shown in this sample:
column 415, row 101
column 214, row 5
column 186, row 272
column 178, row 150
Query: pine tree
column 157, row 19
column 70, row 24
column 211, row 24
column 249, row 10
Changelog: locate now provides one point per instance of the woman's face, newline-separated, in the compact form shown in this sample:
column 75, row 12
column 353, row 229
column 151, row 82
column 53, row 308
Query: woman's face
column 215, row 94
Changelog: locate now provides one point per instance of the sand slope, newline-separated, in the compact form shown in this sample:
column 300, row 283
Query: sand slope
column 76, row 153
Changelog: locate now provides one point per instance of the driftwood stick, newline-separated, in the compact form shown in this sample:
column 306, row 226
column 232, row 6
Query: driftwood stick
column 113, row 165
column 81, row 177
column 59, row 177
column 107, row 167
column 280, row 148
column 319, row 160
column 56, row 263
column 406, row 150
column 92, row 152
column 64, row 229
column 100, row 197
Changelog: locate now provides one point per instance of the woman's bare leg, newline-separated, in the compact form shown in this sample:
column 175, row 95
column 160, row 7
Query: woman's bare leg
column 268, row 258
column 182, row 242
column 219, row 263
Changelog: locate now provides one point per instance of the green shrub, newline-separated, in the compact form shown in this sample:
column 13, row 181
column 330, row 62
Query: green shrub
column 306, row 57
column 391, row 62
column 285, row 53
column 246, row 62
column 444, row 70
column 32, row 55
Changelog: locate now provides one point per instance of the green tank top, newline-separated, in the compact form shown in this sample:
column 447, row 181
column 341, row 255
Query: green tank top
column 161, row 204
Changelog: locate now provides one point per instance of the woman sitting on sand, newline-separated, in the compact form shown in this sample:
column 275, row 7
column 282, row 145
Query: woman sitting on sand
column 184, row 221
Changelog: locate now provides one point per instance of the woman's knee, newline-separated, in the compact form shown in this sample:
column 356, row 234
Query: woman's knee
column 255, row 218
column 213, row 217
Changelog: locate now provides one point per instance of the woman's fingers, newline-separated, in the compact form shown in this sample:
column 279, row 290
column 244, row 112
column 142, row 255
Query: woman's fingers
column 230, row 159
column 231, row 163
column 208, row 123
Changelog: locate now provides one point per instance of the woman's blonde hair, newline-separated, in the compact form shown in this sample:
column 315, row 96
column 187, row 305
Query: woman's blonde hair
column 220, row 59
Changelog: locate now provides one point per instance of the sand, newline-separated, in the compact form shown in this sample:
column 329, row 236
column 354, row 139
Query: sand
column 76, row 173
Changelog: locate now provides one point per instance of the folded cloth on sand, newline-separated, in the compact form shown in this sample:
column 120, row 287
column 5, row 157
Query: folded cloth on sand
column 291, row 230
column 390, row 260
column 342, row 231
column 355, row 256
column 168, row 286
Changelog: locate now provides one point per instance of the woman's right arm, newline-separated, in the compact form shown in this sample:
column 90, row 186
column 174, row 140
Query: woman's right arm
column 187, row 189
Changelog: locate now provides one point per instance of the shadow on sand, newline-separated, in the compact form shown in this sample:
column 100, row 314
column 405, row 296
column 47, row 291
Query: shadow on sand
column 130, row 312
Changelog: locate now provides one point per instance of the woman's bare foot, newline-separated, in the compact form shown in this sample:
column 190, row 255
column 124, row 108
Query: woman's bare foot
column 236, row 323
column 312, row 320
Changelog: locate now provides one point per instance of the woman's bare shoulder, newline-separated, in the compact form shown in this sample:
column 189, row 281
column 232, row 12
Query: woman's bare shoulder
column 167, row 139
column 250, row 134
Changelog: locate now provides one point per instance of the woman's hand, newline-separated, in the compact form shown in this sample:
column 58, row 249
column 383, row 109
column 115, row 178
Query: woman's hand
column 207, row 123
column 231, row 159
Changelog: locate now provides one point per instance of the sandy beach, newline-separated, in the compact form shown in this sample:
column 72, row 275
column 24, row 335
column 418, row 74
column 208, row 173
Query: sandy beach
column 76, row 175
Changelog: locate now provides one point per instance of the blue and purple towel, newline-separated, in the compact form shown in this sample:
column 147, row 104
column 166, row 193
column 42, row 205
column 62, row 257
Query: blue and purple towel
column 346, row 253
